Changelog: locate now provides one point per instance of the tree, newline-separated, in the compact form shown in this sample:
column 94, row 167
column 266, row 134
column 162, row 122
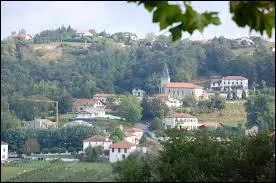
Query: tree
column 260, row 111
column 218, row 103
column 189, row 101
column 94, row 154
column 156, row 124
column 160, row 109
column 143, row 139
column 65, row 103
column 31, row 146
column 9, row 121
column 147, row 109
column 234, row 94
column 130, row 108
column 117, row 135
column 244, row 94
column 259, row 16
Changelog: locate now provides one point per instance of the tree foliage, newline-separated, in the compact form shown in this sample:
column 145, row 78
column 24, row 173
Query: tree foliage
column 259, row 16
column 130, row 108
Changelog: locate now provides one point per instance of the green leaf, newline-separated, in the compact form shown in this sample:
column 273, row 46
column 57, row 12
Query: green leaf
column 176, row 32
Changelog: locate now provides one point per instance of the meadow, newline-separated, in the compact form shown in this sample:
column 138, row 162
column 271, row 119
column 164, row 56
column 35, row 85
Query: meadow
column 57, row 171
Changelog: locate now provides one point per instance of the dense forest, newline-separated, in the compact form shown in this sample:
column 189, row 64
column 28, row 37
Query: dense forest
column 57, row 66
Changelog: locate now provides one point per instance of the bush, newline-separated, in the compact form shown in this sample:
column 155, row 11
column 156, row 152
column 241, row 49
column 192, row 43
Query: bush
column 156, row 124
column 45, row 150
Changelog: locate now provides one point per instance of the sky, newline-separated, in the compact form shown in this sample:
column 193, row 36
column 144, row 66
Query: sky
column 111, row 16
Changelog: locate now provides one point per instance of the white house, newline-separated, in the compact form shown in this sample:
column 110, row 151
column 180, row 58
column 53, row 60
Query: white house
column 169, row 101
column 146, row 146
column 120, row 150
column 226, row 83
column 138, row 92
column 40, row 123
column 178, row 90
column 86, row 104
column 252, row 131
column 83, row 33
column 90, row 113
column 133, row 135
column 4, row 151
column 181, row 121
column 97, row 140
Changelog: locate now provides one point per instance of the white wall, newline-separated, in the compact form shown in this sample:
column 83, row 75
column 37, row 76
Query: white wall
column 169, row 122
column 94, row 144
column 4, row 152
column 171, row 102
column 180, row 93
column 117, row 156
column 131, row 139
column 189, row 123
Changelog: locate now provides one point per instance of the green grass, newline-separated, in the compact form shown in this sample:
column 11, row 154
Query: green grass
column 59, row 172
column 232, row 115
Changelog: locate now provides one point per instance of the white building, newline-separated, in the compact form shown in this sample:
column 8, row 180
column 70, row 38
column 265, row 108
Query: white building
column 146, row 146
column 133, row 135
column 86, row 104
column 40, row 124
column 4, row 151
column 138, row 92
column 179, row 90
column 97, row 140
column 121, row 150
column 83, row 33
column 252, row 131
column 169, row 101
column 90, row 113
column 181, row 121
column 228, row 82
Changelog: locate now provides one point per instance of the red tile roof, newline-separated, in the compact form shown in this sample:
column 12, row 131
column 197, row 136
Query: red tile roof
column 148, row 143
column 103, row 95
column 3, row 143
column 122, row 144
column 210, row 124
column 132, row 130
column 182, row 85
column 182, row 115
column 96, row 138
column 234, row 78
column 85, row 101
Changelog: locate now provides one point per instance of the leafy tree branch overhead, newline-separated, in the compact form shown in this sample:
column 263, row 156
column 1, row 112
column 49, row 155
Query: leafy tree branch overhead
column 258, row 15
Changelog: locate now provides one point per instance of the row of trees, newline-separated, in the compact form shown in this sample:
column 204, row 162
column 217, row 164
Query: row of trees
column 203, row 158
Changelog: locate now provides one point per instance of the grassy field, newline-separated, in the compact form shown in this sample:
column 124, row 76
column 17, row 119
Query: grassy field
column 45, row 171
column 232, row 115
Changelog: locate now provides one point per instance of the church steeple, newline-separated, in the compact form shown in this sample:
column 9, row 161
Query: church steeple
column 165, row 79
column 165, row 73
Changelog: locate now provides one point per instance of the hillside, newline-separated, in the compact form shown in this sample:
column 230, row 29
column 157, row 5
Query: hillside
column 50, row 69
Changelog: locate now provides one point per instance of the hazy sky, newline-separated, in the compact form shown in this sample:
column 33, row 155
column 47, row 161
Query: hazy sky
column 35, row 16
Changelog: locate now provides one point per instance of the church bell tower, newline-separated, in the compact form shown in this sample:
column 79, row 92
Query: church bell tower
column 165, row 79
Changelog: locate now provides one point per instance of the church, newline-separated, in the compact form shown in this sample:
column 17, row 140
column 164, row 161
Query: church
column 178, row 90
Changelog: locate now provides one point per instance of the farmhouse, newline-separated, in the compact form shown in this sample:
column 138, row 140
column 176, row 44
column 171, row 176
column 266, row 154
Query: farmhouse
column 86, row 104
column 91, row 113
column 120, row 150
column 138, row 92
column 133, row 135
column 181, row 121
column 4, row 151
column 169, row 101
column 178, row 90
column 97, row 140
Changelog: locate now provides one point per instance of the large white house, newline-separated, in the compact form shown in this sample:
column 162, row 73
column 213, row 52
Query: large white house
column 97, row 140
column 4, row 151
column 138, row 92
column 227, row 83
column 86, row 104
column 181, row 121
column 179, row 90
column 120, row 150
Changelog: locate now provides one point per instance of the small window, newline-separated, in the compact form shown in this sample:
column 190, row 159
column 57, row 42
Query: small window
column 81, row 108
column 4, row 149
column 125, row 150
column 229, row 82
column 237, row 82
column 173, row 92
column 169, row 90
column 182, row 92
column 119, row 150
column 233, row 82
column 225, row 83
column 123, row 156
column 3, row 156
column 112, row 149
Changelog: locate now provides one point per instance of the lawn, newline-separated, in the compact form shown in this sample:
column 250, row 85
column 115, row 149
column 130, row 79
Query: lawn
column 232, row 115
column 59, row 172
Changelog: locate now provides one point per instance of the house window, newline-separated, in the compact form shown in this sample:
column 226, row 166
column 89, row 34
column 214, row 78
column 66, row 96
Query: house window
column 112, row 149
column 233, row 82
column 173, row 92
column 237, row 82
column 225, row 83
column 3, row 156
column 169, row 90
column 81, row 108
column 4, row 149
column 119, row 150
column 241, row 83
column 125, row 150
column 123, row 156
column 182, row 92
column 177, row 92
column 229, row 82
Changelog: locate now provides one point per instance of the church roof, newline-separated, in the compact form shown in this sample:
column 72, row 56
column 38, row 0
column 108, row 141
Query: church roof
column 182, row 85
column 165, row 73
